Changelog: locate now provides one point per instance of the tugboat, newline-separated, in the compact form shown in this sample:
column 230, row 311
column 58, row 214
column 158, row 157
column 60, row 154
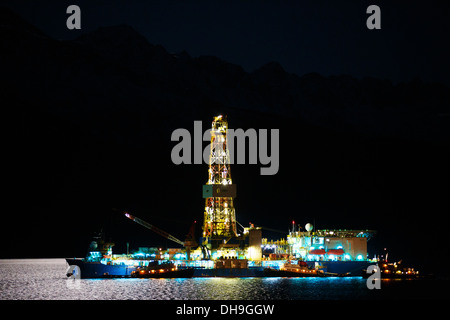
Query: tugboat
column 393, row 270
column 294, row 269
column 162, row 270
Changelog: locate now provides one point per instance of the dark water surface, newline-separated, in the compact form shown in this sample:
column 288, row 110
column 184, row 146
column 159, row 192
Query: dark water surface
column 44, row 279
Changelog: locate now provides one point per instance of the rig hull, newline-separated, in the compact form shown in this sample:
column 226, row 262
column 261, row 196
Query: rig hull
column 229, row 272
column 95, row 270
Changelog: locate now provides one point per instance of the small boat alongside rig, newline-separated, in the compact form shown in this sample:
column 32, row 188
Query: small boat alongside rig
column 162, row 270
column 393, row 270
column 294, row 269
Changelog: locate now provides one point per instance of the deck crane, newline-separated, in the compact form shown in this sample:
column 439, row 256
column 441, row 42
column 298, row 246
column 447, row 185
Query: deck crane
column 188, row 243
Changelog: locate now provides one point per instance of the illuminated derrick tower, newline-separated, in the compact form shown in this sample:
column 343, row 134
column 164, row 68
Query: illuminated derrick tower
column 219, row 224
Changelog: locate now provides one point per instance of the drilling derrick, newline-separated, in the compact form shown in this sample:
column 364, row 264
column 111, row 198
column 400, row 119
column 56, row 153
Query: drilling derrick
column 219, row 224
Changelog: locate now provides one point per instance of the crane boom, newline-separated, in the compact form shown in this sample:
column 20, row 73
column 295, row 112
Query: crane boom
column 153, row 228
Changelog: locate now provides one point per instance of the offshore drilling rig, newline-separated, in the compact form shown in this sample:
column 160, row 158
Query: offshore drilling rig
column 223, row 250
column 219, row 223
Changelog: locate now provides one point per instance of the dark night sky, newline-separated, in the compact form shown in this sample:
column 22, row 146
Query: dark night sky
column 328, row 37
column 71, row 166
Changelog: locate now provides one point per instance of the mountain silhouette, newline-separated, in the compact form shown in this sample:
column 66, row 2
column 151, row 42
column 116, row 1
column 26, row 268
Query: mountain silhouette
column 116, row 67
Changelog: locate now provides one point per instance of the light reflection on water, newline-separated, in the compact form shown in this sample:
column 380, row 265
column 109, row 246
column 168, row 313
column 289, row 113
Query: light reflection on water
column 45, row 279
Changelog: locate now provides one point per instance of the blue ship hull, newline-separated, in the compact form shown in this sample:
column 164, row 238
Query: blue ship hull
column 91, row 270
